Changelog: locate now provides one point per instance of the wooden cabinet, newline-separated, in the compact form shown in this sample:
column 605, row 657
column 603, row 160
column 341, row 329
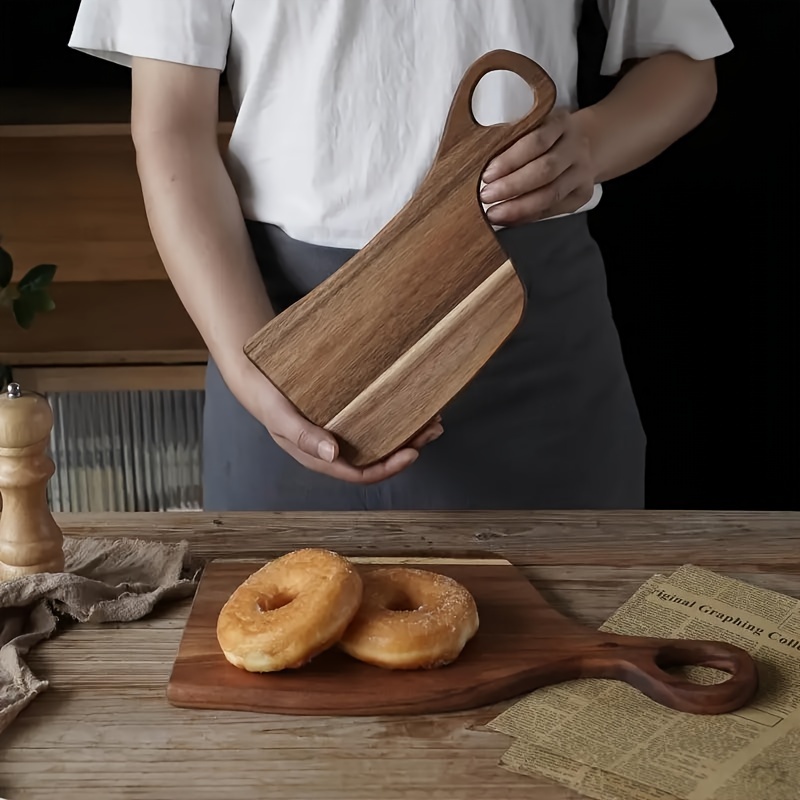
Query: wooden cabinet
column 70, row 196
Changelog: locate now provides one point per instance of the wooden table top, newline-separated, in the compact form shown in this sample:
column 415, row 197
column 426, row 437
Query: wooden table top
column 103, row 730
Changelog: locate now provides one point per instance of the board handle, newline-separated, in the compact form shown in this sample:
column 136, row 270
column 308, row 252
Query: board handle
column 647, row 672
column 478, row 144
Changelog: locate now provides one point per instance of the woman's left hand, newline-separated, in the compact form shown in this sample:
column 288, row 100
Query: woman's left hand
column 546, row 173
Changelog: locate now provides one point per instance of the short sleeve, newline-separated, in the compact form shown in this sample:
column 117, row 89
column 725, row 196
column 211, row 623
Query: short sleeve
column 193, row 32
column 644, row 28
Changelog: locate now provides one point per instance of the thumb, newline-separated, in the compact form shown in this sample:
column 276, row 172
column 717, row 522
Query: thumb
column 283, row 420
column 310, row 439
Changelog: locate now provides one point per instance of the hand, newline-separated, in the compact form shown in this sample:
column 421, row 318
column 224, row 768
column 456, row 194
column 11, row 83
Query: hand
column 314, row 447
column 546, row 173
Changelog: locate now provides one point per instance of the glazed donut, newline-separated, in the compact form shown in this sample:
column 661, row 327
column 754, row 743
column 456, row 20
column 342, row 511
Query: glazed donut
column 410, row 619
column 289, row 611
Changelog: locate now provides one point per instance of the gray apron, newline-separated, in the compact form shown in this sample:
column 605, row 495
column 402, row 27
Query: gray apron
column 549, row 423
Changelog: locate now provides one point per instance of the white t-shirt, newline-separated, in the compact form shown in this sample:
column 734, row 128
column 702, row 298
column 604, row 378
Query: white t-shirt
column 341, row 103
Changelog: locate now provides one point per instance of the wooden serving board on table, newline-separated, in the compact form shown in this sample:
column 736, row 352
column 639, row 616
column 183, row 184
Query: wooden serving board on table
column 378, row 349
column 522, row 644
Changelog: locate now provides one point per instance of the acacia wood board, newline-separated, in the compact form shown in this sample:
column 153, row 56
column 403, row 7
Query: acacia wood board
column 374, row 352
column 522, row 644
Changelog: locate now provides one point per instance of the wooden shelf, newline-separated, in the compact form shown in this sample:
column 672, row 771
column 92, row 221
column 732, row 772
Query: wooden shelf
column 183, row 377
column 109, row 323
column 78, row 112
column 71, row 196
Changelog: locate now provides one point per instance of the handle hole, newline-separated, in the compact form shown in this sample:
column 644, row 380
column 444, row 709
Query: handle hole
column 702, row 676
column 501, row 96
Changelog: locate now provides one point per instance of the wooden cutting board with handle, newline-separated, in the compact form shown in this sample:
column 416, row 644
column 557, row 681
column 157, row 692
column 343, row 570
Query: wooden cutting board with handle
column 522, row 644
column 373, row 353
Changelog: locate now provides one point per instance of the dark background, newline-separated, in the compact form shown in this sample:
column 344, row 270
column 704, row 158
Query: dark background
column 701, row 249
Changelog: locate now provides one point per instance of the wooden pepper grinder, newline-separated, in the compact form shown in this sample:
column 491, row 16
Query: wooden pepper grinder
column 30, row 540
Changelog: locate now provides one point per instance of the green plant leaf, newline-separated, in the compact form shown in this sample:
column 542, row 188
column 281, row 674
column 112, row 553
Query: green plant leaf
column 24, row 312
column 28, row 304
column 41, row 300
column 37, row 278
column 6, row 268
column 8, row 295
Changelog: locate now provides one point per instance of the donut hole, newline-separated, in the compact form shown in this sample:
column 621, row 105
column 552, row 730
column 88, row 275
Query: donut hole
column 402, row 602
column 273, row 602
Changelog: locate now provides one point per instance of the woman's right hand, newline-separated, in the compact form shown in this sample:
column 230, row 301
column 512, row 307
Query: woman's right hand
column 314, row 447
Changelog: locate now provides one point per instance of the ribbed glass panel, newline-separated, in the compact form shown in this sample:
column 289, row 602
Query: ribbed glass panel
column 126, row 451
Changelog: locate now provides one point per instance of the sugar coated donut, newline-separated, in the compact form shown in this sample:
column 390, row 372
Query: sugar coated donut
column 289, row 611
column 410, row 619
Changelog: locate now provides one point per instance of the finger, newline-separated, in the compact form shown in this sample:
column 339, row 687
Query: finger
column 575, row 200
column 394, row 465
column 343, row 471
column 301, row 434
column 528, row 148
column 540, row 172
column 427, row 435
column 537, row 204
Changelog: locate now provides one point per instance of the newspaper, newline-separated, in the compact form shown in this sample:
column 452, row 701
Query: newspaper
column 608, row 741
column 588, row 781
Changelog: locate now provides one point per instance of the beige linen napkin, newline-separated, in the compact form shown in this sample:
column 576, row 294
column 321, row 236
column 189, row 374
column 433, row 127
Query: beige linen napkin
column 105, row 580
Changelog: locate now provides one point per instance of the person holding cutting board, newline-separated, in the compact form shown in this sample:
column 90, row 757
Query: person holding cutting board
column 340, row 106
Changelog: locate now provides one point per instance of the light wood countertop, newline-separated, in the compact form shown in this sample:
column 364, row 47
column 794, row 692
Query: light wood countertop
column 104, row 730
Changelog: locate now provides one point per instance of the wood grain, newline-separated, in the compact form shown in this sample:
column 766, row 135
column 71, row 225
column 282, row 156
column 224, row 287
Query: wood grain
column 522, row 644
column 752, row 541
column 367, row 323
column 402, row 397
column 106, row 323
column 103, row 729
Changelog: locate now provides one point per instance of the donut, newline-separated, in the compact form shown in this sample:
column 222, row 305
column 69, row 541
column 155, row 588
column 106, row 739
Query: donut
column 410, row 619
column 289, row 611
